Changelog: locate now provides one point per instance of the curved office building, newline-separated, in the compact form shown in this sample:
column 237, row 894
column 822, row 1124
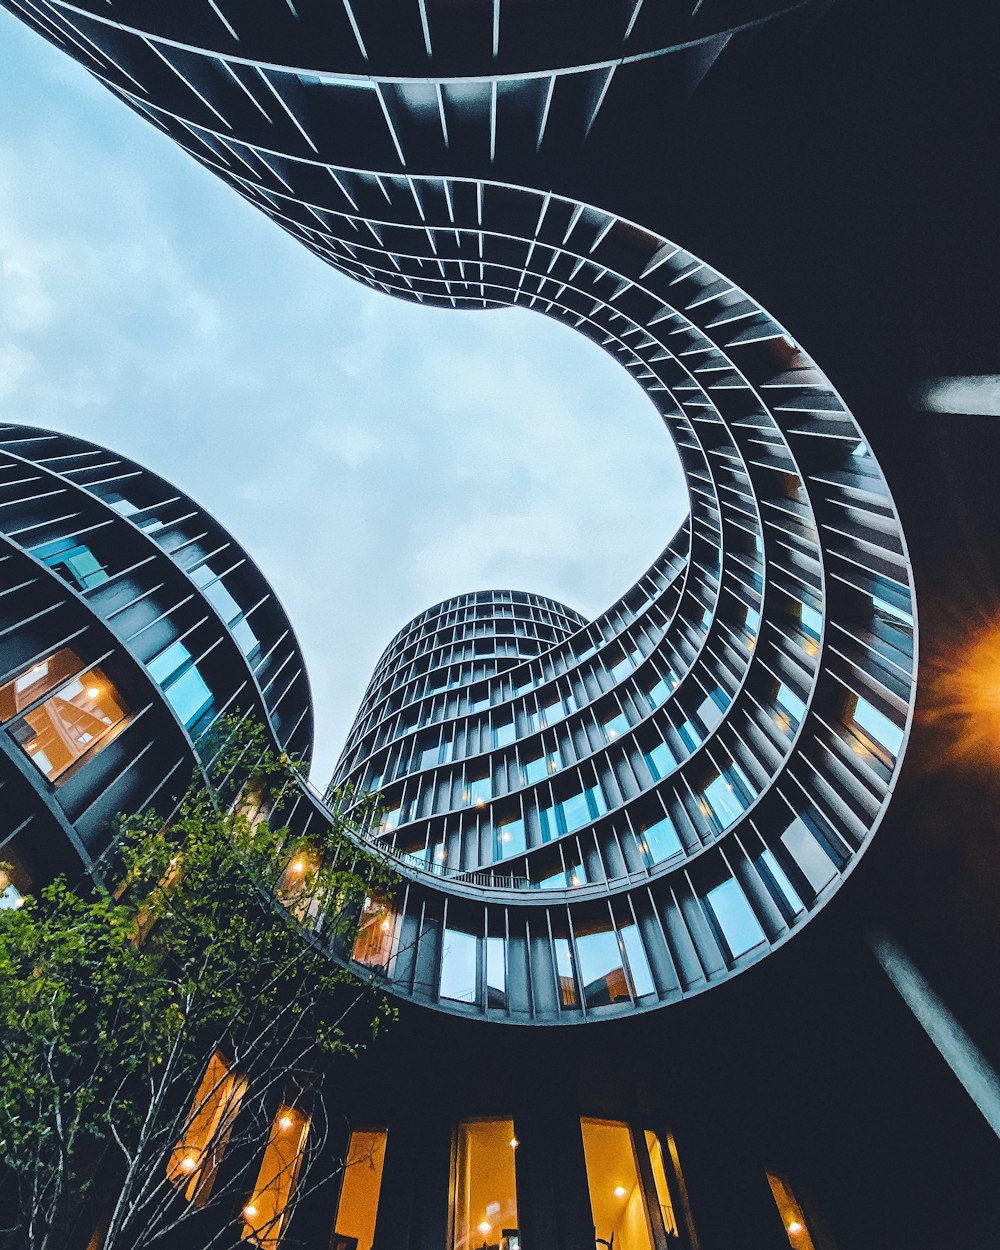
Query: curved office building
column 595, row 818
column 674, row 788
column 131, row 621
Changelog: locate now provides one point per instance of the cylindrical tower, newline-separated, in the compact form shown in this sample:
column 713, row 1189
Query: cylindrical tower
column 131, row 622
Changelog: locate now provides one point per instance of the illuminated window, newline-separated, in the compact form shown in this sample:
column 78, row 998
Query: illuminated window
column 373, row 945
column 617, row 1202
column 77, row 715
column 359, row 1190
column 299, row 891
column 195, row 1159
column 485, row 1186
column 266, row 1213
column 659, row 1171
column 791, row 1213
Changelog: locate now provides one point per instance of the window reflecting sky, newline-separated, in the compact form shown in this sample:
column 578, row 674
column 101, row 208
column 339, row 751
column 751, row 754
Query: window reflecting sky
column 374, row 457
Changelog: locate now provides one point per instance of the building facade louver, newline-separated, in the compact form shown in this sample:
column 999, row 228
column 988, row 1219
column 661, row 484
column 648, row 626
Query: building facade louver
column 593, row 820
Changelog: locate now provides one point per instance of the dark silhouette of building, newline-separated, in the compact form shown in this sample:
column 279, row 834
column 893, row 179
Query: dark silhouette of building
column 595, row 819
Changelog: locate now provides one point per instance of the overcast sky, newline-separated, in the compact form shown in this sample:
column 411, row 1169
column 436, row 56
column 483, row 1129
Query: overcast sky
column 372, row 456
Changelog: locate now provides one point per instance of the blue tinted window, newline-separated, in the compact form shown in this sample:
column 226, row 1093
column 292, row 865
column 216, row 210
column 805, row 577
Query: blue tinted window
column 508, row 839
column 616, row 726
column 503, row 735
column 724, row 799
column 812, row 621
column 878, row 727
column 638, row 965
column 734, row 918
column 787, row 698
column 601, row 969
column 660, row 760
column 73, row 561
column 581, row 808
column 779, row 884
column 659, row 841
column 458, row 966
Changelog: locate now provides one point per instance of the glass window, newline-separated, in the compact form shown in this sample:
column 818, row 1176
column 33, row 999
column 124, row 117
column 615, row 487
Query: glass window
column 813, row 861
column 178, row 677
column 37, row 680
column 504, row 734
column 580, row 809
column 777, row 882
column 791, row 1212
column 876, row 728
column 812, row 621
column 227, row 607
column 616, row 726
column 478, row 790
column 724, row 799
column 266, row 1213
column 617, row 1202
column 734, row 918
column 658, row 841
column 638, row 964
column 656, row 1163
column 540, row 767
column 458, row 966
column 73, row 561
column 71, row 720
column 602, row 969
column 373, row 945
column 660, row 761
column 787, row 699
column 496, row 972
column 195, row 1160
column 660, row 693
column 564, row 972
column 486, row 1186
column 509, row 838
column 360, row 1189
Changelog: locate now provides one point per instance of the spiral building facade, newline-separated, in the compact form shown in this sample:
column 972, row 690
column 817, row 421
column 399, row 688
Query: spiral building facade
column 591, row 818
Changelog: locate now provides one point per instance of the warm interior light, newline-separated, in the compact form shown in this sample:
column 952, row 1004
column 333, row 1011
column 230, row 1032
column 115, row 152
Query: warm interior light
column 386, row 926
column 297, row 866
column 188, row 1163
column 250, row 1211
column 480, row 802
column 285, row 1123
column 92, row 692
column 485, row 1227
column 795, row 1227
column 620, row 1191
column 514, row 1143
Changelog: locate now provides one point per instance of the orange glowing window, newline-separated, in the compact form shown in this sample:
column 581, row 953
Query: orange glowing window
column 617, row 1200
column 485, row 1193
column 195, row 1159
column 792, row 1216
column 373, row 945
column 266, row 1212
column 81, row 710
column 299, row 889
column 360, row 1189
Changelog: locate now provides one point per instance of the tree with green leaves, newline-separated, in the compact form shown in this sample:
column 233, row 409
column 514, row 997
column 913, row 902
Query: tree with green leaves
column 149, row 1032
